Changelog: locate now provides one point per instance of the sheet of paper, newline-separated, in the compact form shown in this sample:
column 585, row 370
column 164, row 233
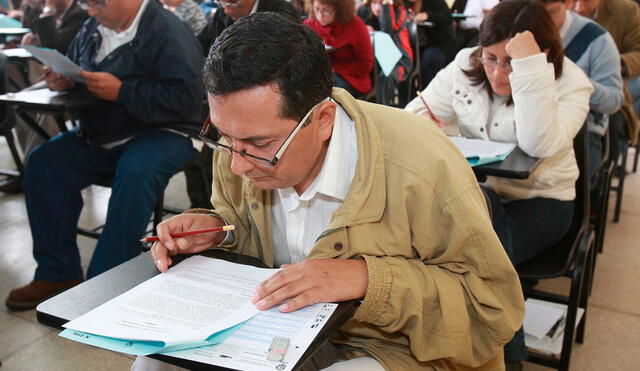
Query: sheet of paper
column 386, row 51
column 540, row 316
column 141, row 348
column 247, row 347
column 190, row 302
column 58, row 62
column 480, row 151
column 552, row 346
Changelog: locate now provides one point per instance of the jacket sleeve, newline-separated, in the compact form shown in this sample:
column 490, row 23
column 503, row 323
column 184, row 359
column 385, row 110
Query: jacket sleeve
column 176, row 89
column 437, row 95
column 460, row 299
column 438, row 12
column 608, row 93
column 548, row 116
column 59, row 38
column 630, row 45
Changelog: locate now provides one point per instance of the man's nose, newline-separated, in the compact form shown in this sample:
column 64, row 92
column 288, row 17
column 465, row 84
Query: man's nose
column 240, row 165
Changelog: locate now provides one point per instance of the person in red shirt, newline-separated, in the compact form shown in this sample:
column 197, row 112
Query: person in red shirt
column 348, row 42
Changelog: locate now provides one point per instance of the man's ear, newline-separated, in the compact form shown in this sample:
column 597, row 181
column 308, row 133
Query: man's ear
column 326, row 114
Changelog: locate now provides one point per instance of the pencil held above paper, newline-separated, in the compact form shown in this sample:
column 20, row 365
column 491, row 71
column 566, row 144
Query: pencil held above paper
column 433, row 117
column 189, row 233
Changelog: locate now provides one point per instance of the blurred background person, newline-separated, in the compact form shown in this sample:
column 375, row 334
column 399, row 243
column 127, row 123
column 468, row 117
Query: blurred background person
column 335, row 21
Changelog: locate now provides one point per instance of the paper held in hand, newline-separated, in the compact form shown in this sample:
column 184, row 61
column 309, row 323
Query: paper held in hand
column 480, row 151
column 59, row 63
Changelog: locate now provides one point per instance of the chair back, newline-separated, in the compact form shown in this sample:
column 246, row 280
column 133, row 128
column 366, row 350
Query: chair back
column 6, row 116
column 557, row 260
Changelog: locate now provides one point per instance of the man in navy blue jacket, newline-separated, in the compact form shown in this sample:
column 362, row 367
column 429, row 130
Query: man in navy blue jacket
column 144, row 65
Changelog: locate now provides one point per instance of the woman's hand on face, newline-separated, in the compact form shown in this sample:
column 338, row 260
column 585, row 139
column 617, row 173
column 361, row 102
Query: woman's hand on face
column 522, row 45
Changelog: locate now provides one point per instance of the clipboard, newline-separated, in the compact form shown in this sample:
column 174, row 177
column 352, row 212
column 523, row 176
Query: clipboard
column 58, row 62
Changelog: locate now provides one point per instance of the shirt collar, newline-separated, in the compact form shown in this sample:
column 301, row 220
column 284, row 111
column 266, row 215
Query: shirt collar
column 334, row 178
column 255, row 7
column 568, row 19
column 131, row 30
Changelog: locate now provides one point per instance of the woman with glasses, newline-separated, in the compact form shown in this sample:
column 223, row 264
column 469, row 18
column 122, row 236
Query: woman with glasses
column 518, row 87
column 348, row 40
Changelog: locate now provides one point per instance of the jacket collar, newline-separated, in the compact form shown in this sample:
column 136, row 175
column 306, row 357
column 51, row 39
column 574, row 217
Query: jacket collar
column 366, row 198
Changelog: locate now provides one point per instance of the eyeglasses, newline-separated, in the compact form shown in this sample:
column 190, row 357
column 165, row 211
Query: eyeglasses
column 210, row 134
column 324, row 13
column 492, row 63
column 85, row 4
column 223, row 4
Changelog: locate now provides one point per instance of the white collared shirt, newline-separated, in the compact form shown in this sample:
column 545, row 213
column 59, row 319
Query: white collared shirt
column 111, row 39
column 255, row 7
column 297, row 221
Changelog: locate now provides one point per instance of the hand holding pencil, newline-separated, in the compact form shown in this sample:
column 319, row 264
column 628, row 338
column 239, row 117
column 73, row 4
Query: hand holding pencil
column 186, row 234
column 437, row 120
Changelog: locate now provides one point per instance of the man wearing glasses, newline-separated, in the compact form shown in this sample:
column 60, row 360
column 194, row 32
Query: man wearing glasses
column 353, row 201
column 230, row 11
column 144, row 66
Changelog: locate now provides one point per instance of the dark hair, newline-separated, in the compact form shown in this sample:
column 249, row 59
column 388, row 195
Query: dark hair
column 266, row 48
column 503, row 22
column 345, row 9
column 545, row 2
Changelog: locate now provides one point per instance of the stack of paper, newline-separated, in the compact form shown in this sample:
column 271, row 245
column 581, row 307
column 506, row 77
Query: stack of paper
column 480, row 151
column 195, row 304
column 544, row 324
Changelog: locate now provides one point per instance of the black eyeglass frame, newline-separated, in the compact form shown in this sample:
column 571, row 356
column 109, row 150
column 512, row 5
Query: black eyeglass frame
column 264, row 162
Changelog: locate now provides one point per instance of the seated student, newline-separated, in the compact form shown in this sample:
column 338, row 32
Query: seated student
column 323, row 186
column 467, row 29
column 144, row 65
column 391, row 18
column 622, row 19
column 54, row 23
column 189, row 12
column 437, row 43
column 592, row 48
column 229, row 11
column 352, row 55
column 518, row 87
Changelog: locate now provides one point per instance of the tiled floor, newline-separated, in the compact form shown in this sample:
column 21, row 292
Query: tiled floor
column 613, row 330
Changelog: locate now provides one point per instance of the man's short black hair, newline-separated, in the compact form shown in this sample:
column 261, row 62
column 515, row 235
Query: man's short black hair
column 266, row 48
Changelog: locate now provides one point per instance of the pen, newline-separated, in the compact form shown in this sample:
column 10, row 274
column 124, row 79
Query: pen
column 189, row 233
column 431, row 114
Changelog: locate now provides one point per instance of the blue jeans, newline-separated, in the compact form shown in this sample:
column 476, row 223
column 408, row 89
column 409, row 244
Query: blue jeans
column 526, row 228
column 60, row 168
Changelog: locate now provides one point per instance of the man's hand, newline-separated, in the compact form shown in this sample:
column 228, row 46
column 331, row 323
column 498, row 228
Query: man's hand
column 29, row 38
column 166, row 247
column 313, row 281
column 102, row 84
column 56, row 82
column 522, row 45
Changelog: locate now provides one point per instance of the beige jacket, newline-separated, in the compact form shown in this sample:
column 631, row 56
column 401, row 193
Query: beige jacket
column 442, row 293
column 622, row 19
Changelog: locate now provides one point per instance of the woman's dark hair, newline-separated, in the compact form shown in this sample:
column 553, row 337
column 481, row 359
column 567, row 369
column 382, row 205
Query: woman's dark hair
column 507, row 19
column 266, row 48
column 345, row 9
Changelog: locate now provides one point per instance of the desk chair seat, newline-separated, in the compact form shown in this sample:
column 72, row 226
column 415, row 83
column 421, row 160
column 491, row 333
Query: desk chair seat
column 12, row 180
column 573, row 257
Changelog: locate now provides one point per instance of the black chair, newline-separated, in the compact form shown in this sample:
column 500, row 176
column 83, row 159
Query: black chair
column 413, row 82
column 620, row 172
column 572, row 257
column 11, row 182
column 601, row 195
